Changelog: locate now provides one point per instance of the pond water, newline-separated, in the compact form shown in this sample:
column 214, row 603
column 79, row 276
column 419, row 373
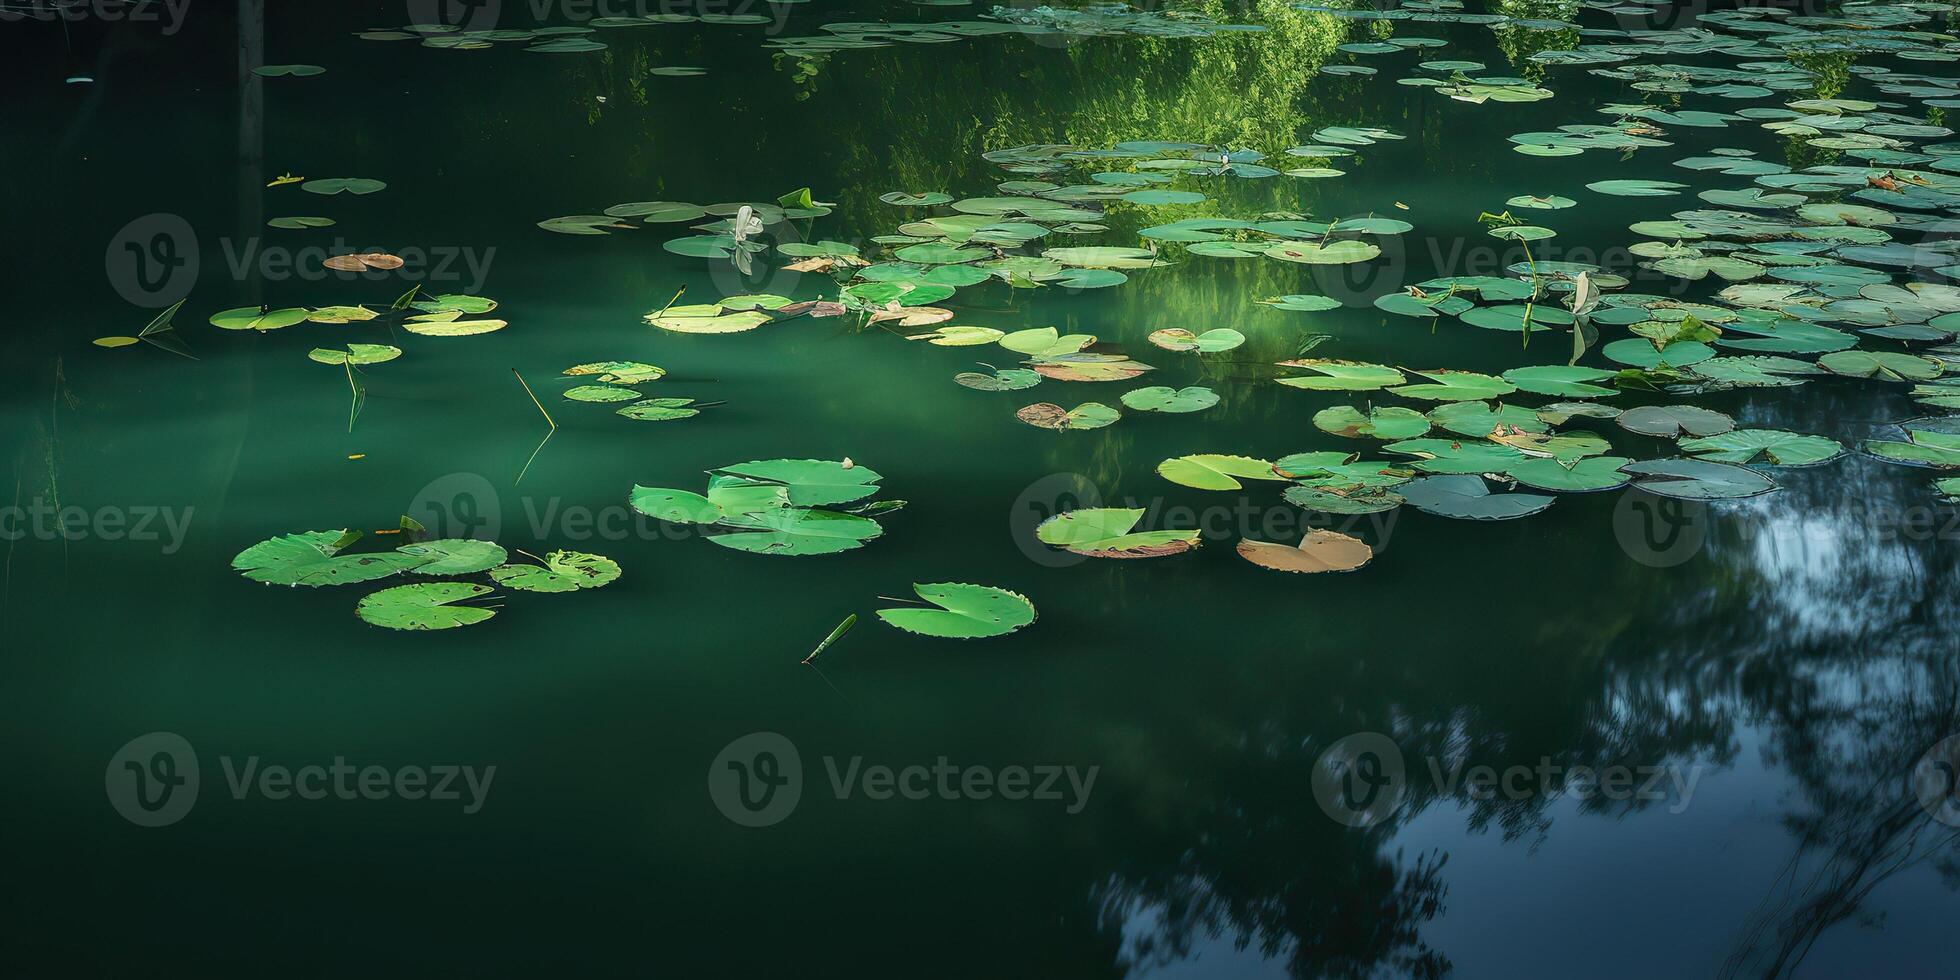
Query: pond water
column 1629, row 735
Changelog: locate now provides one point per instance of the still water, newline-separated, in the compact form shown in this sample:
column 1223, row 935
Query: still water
column 1631, row 737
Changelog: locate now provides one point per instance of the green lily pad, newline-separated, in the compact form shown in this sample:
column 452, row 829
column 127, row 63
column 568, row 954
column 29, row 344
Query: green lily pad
column 1109, row 532
column 797, row 531
column 1883, row 365
column 1674, row 421
column 600, row 393
column 257, row 318
column 562, row 571
column 1379, row 423
column 1560, row 381
column 1088, row 415
column 1160, row 398
column 1775, row 445
column 1457, row 455
column 424, row 606
column 356, row 354
column 1213, row 341
column 1467, row 497
column 965, row 612
column 660, row 410
column 1697, row 479
column 1212, row 471
column 1585, row 475
column 1451, row 385
column 1003, row 379
column 343, row 185
column 1341, row 375
column 454, row 556
column 312, row 558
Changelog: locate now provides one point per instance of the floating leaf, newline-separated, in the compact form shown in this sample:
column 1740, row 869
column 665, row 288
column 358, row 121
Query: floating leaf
column 424, row 606
column 313, row 558
column 1213, row 341
column 965, row 612
column 1318, row 551
column 1004, row 379
column 454, row 556
column 562, row 571
column 1165, row 399
column 1108, row 532
column 1379, row 423
column 1211, row 471
column 1341, row 375
column 1673, row 421
column 1088, row 415
column 1468, row 498
column 1697, row 479
column 1777, row 446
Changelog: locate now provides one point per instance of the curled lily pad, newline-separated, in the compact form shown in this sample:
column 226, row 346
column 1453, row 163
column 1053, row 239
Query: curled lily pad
column 1164, row 399
column 1213, row 341
column 965, row 612
column 1451, row 385
column 1109, row 532
column 1697, row 479
column 1213, row 471
column 562, row 571
column 1318, row 551
column 1333, row 375
column 1560, row 381
column 1088, row 415
column 424, row 606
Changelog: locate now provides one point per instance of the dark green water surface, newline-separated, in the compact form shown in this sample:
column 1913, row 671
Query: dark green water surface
column 1792, row 656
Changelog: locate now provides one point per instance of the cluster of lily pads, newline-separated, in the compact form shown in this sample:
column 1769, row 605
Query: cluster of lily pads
column 562, row 39
column 610, row 382
column 778, row 506
column 321, row 558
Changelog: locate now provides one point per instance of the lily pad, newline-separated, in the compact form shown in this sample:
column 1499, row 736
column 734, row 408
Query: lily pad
column 1697, row 479
column 454, row 556
column 562, row 571
column 1109, row 532
column 1468, row 497
column 1213, row 341
column 1392, row 423
column 1319, row 551
column 965, row 612
column 1165, row 399
column 424, row 606
column 1774, row 445
column 313, row 558
column 1212, row 471
column 1088, row 415
column 1674, row 421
